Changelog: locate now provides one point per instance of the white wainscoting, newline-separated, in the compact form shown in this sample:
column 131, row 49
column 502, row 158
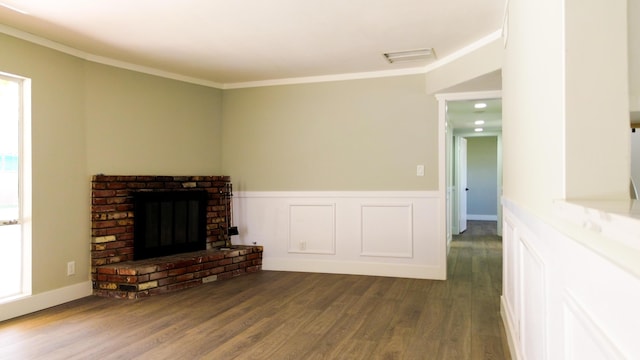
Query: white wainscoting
column 312, row 228
column 387, row 230
column 563, row 299
column 387, row 233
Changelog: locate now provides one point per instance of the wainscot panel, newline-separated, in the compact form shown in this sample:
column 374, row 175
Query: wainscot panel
column 385, row 233
column 565, row 294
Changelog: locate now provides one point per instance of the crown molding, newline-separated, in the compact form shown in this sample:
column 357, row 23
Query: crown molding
column 223, row 86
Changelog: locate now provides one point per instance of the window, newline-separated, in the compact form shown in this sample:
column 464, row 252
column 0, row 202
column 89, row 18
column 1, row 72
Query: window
column 15, row 188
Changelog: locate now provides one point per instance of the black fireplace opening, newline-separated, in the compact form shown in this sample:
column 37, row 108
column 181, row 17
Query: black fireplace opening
column 169, row 222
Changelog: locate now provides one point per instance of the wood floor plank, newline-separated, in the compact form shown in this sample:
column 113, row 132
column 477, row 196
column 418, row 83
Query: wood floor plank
column 288, row 315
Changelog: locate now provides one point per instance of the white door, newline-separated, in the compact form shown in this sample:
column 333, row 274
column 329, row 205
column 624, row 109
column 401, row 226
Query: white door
column 11, row 243
column 462, row 185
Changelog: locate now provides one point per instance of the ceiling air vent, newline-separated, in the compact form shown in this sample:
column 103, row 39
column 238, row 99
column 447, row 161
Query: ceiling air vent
column 409, row 55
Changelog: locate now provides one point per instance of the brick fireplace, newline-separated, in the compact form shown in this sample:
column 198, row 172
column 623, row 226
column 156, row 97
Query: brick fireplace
column 113, row 269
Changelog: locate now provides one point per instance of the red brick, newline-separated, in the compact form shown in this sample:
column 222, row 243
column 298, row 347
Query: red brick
column 184, row 277
column 98, row 186
column 126, row 271
column 99, row 201
column 103, row 254
column 231, row 267
column 118, row 200
column 114, row 231
column 158, row 275
column 178, row 271
column 115, row 244
column 102, row 193
column 215, row 256
column 201, row 274
column 194, row 268
column 104, row 224
column 239, row 259
column 231, row 254
column 217, row 270
column 104, row 178
column 147, row 269
column 98, row 262
column 106, row 270
column 225, row 262
column 124, row 222
column 124, row 207
column 102, row 208
column 116, row 185
column 166, row 281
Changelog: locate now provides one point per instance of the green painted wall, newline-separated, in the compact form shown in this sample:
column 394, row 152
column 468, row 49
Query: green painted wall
column 347, row 135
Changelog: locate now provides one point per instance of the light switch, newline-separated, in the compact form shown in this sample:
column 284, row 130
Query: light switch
column 420, row 170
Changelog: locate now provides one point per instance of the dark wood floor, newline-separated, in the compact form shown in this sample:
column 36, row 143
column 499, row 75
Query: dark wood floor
column 283, row 315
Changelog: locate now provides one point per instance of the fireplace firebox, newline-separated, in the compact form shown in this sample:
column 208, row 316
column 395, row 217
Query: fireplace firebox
column 169, row 222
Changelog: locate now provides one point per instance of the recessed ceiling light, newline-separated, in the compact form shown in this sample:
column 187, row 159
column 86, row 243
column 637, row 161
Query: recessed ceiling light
column 480, row 105
column 409, row 55
column 478, row 129
column 479, row 122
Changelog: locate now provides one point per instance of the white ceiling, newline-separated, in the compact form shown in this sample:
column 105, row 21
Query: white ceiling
column 462, row 115
column 238, row 41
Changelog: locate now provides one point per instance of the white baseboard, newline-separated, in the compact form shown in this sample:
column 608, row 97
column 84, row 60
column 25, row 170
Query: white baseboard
column 45, row 300
column 482, row 217
column 356, row 268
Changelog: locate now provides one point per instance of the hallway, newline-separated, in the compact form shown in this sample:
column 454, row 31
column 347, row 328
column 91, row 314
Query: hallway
column 475, row 268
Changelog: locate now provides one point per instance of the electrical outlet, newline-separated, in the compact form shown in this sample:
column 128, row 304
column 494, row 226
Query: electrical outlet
column 303, row 245
column 71, row 268
column 420, row 170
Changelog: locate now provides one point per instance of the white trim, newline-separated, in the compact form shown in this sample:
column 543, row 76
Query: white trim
column 152, row 71
column 442, row 157
column 326, row 78
column 250, row 84
column 465, row 51
column 409, row 239
column 472, row 95
column 482, row 217
column 104, row 60
column 337, row 194
column 509, row 327
column 374, row 74
column 332, row 248
column 45, row 300
column 572, row 308
column 353, row 268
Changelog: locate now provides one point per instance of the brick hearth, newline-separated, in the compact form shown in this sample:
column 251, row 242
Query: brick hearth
column 113, row 271
column 136, row 279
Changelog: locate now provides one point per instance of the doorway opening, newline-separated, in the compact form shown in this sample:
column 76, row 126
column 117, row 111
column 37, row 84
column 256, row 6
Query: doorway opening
column 465, row 118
